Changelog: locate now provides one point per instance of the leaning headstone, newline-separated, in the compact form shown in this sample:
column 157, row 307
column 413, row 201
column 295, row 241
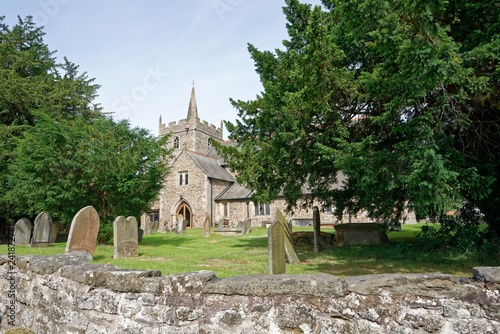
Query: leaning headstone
column 82, row 236
column 41, row 230
column 154, row 227
column 148, row 225
column 206, row 226
column 22, row 232
column 317, row 228
column 125, row 237
column 180, row 224
column 291, row 254
column 55, row 228
column 276, row 248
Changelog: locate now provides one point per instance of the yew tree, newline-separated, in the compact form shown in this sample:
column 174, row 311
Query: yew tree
column 377, row 106
column 58, row 151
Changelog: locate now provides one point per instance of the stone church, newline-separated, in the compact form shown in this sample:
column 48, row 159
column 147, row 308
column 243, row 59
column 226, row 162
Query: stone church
column 200, row 183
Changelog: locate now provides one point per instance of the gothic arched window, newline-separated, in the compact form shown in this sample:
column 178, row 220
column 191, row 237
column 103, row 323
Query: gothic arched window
column 176, row 142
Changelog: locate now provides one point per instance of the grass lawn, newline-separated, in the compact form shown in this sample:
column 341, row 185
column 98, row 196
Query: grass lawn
column 245, row 255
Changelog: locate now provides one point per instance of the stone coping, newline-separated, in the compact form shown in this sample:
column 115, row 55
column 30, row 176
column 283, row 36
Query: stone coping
column 150, row 281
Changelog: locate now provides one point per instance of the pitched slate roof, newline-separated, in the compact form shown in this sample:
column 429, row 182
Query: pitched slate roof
column 210, row 166
column 234, row 192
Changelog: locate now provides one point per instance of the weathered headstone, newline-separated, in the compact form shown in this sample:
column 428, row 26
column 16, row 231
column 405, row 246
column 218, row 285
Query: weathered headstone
column 154, row 227
column 276, row 248
column 206, row 226
column 148, row 225
column 41, row 230
column 22, row 232
column 291, row 254
column 180, row 224
column 125, row 237
column 317, row 228
column 82, row 236
column 248, row 226
column 241, row 227
column 140, row 233
column 55, row 228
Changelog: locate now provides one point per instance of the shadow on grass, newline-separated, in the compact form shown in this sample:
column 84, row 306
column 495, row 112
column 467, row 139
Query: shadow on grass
column 390, row 258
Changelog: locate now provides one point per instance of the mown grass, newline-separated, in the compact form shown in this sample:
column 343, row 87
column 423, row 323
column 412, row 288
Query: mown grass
column 245, row 255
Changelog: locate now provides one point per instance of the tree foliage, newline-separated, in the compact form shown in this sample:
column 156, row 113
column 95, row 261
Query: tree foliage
column 58, row 152
column 396, row 102
column 61, row 166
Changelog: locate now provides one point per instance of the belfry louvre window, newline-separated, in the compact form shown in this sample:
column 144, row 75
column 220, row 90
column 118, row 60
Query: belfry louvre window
column 262, row 209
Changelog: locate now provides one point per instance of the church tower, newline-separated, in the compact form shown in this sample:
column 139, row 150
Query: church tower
column 190, row 133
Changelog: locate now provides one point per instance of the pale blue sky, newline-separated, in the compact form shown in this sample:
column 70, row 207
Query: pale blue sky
column 145, row 54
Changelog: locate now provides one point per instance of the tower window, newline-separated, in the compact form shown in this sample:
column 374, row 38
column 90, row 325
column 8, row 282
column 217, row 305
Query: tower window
column 180, row 179
column 186, row 179
column 176, row 142
column 209, row 142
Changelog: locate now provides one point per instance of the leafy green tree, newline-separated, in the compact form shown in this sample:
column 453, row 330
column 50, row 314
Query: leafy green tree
column 58, row 151
column 386, row 97
column 62, row 166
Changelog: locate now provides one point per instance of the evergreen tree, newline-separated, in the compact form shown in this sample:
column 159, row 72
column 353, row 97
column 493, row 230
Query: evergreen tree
column 397, row 101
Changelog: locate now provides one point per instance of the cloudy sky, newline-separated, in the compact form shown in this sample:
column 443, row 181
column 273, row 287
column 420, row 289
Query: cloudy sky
column 145, row 54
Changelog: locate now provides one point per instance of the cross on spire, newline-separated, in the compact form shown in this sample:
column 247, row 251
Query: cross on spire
column 193, row 83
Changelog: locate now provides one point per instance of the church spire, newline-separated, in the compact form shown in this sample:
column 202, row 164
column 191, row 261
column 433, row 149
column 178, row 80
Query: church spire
column 192, row 109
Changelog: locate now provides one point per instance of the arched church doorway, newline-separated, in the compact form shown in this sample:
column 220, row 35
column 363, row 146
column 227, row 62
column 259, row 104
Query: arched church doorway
column 185, row 211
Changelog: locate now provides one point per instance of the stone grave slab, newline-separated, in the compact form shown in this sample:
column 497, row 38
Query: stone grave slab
column 23, row 231
column 82, row 236
column 360, row 234
column 125, row 237
column 41, row 230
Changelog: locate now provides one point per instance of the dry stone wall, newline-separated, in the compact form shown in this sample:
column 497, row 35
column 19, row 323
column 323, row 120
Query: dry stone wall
column 65, row 294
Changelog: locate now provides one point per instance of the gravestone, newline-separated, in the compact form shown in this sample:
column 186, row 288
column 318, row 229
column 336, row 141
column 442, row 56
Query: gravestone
column 154, row 227
column 82, row 236
column 22, row 232
column 41, row 230
column 241, row 227
column 55, row 228
column 276, row 248
column 248, row 226
column 180, row 224
column 125, row 237
column 148, row 226
column 206, row 226
column 317, row 228
column 291, row 255
column 140, row 233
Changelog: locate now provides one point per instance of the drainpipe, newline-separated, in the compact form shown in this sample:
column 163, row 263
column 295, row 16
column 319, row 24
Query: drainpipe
column 211, row 201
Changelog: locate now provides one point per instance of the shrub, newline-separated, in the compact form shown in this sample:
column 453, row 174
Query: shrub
column 460, row 232
column 105, row 235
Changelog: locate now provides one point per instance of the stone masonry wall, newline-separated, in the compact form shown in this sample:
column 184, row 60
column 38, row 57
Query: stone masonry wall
column 64, row 294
